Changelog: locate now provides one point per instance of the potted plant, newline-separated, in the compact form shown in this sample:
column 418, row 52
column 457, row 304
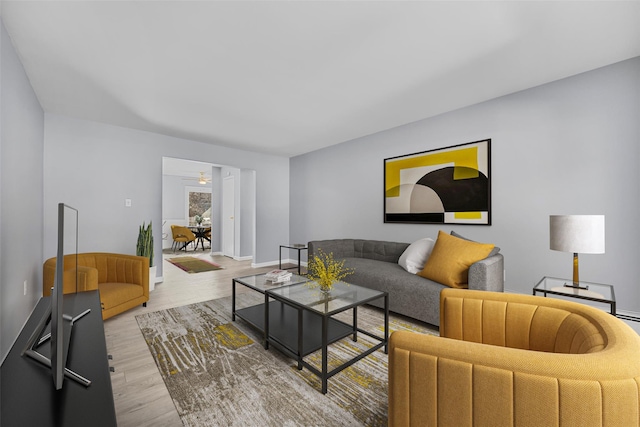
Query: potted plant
column 145, row 248
column 324, row 271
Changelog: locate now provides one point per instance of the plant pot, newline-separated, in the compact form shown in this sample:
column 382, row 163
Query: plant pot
column 152, row 277
column 326, row 288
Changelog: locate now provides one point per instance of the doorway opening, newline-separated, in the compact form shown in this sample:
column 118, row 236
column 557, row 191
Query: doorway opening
column 192, row 189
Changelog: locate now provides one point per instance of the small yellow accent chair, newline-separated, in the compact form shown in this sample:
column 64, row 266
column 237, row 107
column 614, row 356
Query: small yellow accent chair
column 515, row 360
column 123, row 280
column 182, row 235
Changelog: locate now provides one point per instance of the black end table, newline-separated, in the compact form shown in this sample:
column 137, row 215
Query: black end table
column 587, row 291
column 295, row 246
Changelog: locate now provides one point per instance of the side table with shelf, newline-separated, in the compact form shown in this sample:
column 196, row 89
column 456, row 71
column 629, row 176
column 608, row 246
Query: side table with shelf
column 295, row 246
column 597, row 292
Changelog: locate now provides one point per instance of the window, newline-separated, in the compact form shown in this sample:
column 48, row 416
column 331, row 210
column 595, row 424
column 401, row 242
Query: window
column 199, row 205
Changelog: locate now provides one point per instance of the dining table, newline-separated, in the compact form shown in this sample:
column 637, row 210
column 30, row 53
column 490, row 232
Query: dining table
column 200, row 231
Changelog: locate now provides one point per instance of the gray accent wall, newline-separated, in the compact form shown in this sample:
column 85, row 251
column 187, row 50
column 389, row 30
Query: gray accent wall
column 95, row 167
column 21, row 189
column 568, row 147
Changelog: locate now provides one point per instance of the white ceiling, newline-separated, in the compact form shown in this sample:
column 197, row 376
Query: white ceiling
column 290, row 77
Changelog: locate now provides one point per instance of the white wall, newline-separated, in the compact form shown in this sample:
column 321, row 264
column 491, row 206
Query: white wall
column 247, row 212
column 95, row 167
column 21, row 188
column 173, row 189
column 216, row 209
column 172, row 206
column 568, row 147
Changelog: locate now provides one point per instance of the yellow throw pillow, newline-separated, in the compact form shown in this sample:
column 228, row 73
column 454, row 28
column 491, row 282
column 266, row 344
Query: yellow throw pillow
column 451, row 258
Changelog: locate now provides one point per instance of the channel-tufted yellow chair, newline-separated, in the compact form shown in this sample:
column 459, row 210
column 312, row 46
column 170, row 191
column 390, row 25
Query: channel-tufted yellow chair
column 123, row 280
column 515, row 360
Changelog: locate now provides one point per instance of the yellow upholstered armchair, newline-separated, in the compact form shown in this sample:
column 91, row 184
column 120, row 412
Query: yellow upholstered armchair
column 123, row 280
column 515, row 360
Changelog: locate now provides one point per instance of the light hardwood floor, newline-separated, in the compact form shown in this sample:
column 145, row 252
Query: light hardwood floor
column 141, row 398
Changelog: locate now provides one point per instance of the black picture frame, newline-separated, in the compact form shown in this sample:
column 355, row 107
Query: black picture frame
column 449, row 185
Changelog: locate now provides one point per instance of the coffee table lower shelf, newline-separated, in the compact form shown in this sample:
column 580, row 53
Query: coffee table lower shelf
column 283, row 327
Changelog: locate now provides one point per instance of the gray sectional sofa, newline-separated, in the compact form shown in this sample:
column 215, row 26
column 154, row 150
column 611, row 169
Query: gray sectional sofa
column 375, row 265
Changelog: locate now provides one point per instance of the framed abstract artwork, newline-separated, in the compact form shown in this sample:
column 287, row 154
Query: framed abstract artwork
column 450, row 185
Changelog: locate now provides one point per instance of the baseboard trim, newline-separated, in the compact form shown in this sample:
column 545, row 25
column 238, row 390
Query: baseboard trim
column 633, row 316
column 264, row 264
column 236, row 258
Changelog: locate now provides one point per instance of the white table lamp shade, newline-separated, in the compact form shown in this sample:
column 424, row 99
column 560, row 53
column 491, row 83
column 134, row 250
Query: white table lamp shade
column 577, row 233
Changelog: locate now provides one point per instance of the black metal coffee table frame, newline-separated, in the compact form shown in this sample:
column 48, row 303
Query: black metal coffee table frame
column 298, row 330
column 254, row 315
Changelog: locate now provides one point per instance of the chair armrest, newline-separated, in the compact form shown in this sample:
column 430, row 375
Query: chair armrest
column 487, row 274
column 48, row 276
column 87, row 279
column 442, row 381
column 548, row 364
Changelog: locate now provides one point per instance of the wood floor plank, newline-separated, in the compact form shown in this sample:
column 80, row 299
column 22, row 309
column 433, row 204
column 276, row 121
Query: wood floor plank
column 140, row 395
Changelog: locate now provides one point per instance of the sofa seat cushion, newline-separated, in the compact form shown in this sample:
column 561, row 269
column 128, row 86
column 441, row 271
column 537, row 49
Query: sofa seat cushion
column 113, row 294
column 407, row 294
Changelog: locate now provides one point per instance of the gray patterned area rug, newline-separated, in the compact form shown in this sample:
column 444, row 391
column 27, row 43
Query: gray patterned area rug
column 218, row 373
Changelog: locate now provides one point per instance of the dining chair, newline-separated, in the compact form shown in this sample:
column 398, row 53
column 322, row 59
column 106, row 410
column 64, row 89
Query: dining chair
column 181, row 235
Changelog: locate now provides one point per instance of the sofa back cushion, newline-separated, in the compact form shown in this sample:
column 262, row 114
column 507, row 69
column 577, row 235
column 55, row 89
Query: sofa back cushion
column 357, row 248
column 340, row 248
column 519, row 325
column 379, row 250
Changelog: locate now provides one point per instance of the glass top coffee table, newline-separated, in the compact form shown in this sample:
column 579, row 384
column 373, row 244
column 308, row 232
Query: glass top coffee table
column 254, row 314
column 299, row 321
